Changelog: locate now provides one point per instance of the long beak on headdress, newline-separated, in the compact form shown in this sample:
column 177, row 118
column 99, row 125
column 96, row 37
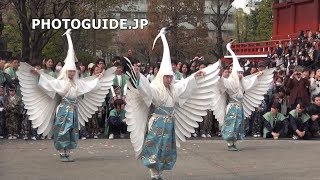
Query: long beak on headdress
column 165, row 67
column 162, row 31
column 155, row 40
column 67, row 32
column 235, row 63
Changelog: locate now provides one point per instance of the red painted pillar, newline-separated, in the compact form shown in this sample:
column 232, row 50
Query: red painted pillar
column 317, row 11
column 275, row 21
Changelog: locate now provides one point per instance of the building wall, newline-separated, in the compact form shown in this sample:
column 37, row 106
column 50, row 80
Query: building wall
column 138, row 9
column 290, row 17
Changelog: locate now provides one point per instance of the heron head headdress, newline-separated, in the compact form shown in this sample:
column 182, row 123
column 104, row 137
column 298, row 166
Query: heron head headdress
column 234, row 77
column 235, row 63
column 71, row 59
column 166, row 66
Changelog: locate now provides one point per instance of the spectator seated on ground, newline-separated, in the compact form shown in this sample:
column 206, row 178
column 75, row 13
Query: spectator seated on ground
column 299, row 122
column 117, row 119
column 273, row 122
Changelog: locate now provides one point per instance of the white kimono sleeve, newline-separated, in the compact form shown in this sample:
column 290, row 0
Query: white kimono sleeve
column 145, row 90
column 50, row 87
column 229, row 84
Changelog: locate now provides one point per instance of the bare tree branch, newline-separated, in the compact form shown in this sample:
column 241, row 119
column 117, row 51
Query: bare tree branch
column 213, row 9
column 225, row 14
column 218, row 19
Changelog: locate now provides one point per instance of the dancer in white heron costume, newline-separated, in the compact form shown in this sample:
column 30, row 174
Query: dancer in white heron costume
column 166, row 112
column 61, row 104
column 244, row 95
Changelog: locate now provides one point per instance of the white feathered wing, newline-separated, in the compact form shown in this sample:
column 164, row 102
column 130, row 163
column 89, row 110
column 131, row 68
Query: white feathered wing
column 187, row 112
column 137, row 112
column 219, row 102
column 40, row 106
column 89, row 103
column 190, row 109
column 254, row 96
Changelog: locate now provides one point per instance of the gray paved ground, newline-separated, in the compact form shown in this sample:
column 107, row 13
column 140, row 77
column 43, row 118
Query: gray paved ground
column 197, row 159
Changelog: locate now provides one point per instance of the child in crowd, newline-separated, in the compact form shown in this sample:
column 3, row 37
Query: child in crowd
column 12, row 107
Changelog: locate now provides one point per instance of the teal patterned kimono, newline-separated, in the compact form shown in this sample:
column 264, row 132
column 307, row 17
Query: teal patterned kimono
column 65, row 128
column 159, row 150
column 233, row 126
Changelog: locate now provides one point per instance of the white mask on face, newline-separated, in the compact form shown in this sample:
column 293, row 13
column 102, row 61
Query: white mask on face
column 58, row 68
column 278, row 84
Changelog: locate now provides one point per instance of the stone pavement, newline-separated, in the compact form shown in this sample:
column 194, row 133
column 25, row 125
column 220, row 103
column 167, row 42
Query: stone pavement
column 197, row 159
